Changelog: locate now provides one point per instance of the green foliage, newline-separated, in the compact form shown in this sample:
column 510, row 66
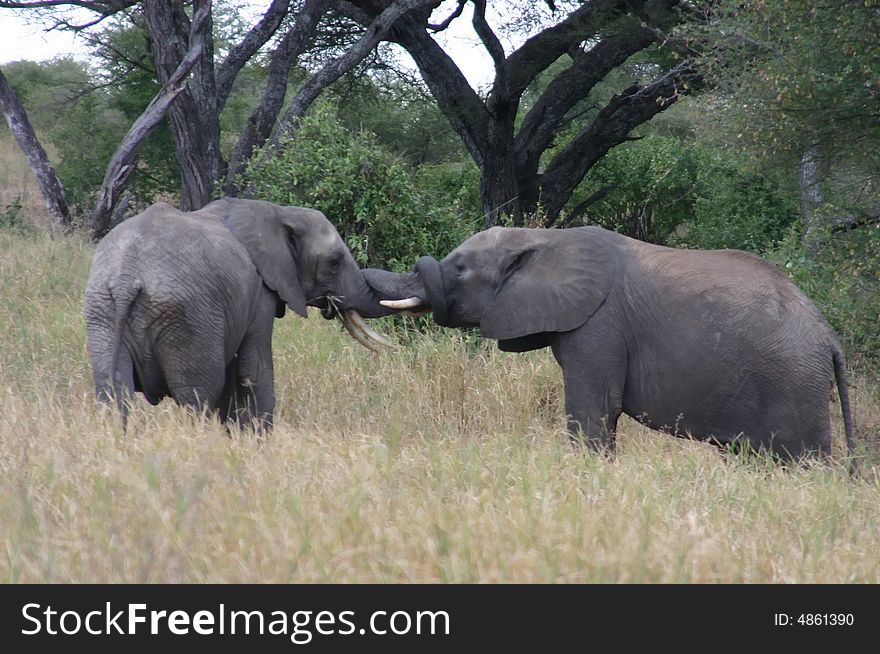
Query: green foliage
column 125, row 59
column 375, row 200
column 404, row 117
column 668, row 189
column 804, row 71
column 735, row 206
column 455, row 185
column 843, row 279
column 798, row 76
column 651, row 183
column 10, row 220
column 45, row 88
column 85, row 143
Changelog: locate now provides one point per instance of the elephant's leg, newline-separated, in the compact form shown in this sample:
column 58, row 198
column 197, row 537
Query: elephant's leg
column 593, row 371
column 249, row 396
column 250, row 381
column 592, row 409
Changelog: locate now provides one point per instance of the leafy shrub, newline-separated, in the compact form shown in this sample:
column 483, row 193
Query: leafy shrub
column 372, row 197
column 665, row 189
column 650, row 184
column 455, row 186
column 734, row 207
column 10, row 220
column 85, row 144
column 843, row 279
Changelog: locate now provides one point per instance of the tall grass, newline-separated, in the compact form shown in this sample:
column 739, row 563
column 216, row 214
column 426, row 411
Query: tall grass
column 443, row 462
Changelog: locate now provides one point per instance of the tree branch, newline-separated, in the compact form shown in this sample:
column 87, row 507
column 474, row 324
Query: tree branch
column 543, row 121
column 439, row 27
column 460, row 104
column 333, row 70
column 108, row 7
column 581, row 207
column 624, row 112
column 124, row 160
column 538, row 52
column 239, row 55
column 861, row 219
column 259, row 125
column 492, row 44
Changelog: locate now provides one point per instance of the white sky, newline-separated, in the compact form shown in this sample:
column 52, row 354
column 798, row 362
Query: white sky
column 20, row 39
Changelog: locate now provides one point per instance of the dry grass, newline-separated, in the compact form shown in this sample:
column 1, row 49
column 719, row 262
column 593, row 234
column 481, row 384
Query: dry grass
column 443, row 462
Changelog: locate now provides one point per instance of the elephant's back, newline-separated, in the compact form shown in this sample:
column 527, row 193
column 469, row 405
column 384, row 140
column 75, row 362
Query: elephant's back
column 163, row 246
column 726, row 280
column 177, row 269
column 730, row 305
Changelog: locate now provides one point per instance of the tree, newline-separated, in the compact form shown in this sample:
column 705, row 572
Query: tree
column 194, row 113
column 514, row 144
column 798, row 88
column 50, row 185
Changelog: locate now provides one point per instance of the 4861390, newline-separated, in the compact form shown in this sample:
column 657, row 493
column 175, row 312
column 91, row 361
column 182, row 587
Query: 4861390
column 814, row 619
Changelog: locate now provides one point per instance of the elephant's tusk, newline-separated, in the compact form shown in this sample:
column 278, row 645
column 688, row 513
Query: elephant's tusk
column 363, row 333
column 408, row 303
column 357, row 334
column 369, row 331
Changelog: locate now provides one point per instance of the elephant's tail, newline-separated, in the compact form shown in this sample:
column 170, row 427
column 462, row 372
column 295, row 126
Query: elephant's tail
column 122, row 308
column 843, row 391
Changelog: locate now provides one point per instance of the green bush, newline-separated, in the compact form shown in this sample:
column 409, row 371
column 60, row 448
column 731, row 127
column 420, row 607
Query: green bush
column 667, row 189
column 374, row 199
column 843, row 279
column 651, row 183
column 10, row 218
column 734, row 207
column 85, row 144
column 454, row 185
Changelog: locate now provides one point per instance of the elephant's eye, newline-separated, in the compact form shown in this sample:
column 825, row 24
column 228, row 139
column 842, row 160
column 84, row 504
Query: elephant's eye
column 334, row 262
column 459, row 268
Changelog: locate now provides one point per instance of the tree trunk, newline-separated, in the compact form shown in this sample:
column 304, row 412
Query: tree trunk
column 194, row 117
column 811, row 174
column 124, row 159
column 499, row 191
column 50, row 185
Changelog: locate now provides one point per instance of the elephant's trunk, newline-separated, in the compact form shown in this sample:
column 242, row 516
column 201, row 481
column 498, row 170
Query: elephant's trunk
column 386, row 287
column 432, row 279
column 412, row 292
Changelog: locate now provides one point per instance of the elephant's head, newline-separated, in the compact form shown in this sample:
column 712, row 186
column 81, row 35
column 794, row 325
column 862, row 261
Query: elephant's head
column 300, row 256
column 515, row 284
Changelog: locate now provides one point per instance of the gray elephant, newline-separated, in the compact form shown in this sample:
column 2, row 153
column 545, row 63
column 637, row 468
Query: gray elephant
column 182, row 304
column 712, row 345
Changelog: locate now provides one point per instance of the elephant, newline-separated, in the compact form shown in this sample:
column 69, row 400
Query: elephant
column 713, row 345
column 182, row 304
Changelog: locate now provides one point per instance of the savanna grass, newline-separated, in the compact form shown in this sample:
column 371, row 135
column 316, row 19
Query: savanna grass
column 445, row 461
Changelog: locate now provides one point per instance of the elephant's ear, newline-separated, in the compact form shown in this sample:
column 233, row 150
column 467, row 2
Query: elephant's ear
column 268, row 236
column 553, row 281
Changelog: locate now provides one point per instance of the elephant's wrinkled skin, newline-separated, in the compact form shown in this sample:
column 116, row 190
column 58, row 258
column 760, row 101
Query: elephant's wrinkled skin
column 713, row 345
column 182, row 304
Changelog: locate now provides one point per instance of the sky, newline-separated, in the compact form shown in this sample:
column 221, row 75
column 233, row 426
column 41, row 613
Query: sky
column 21, row 40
